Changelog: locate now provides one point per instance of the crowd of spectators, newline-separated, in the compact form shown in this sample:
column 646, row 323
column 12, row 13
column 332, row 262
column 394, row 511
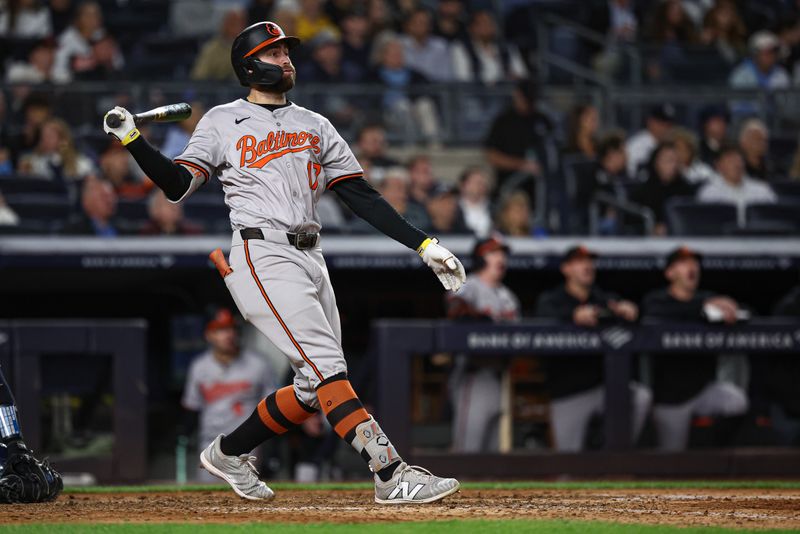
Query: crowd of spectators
column 539, row 162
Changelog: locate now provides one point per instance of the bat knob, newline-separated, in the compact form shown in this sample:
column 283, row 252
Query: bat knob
column 113, row 120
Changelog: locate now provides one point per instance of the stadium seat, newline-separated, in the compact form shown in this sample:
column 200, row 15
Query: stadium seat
column 690, row 218
column 787, row 189
column 40, row 212
column 781, row 218
column 208, row 209
column 19, row 183
column 132, row 210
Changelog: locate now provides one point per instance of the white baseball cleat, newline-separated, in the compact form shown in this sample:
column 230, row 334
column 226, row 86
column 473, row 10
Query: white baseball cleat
column 413, row 485
column 238, row 471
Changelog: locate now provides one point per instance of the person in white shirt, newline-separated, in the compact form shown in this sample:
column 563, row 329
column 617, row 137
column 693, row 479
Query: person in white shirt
column 695, row 170
column 732, row 186
column 77, row 45
column 641, row 144
column 761, row 70
column 482, row 57
column 431, row 53
column 474, row 200
column 26, row 19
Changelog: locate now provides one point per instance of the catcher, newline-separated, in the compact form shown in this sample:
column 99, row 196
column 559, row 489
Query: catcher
column 23, row 478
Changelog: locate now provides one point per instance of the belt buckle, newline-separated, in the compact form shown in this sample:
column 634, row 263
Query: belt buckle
column 304, row 240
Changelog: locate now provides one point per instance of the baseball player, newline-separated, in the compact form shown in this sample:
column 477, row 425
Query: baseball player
column 23, row 478
column 274, row 160
column 475, row 385
column 224, row 383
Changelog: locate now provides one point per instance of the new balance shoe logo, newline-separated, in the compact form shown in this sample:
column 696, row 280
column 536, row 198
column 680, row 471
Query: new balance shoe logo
column 237, row 121
column 402, row 492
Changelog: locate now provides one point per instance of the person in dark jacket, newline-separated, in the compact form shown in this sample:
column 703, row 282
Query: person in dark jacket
column 99, row 203
column 575, row 383
column 664, row 181
column 685, row 385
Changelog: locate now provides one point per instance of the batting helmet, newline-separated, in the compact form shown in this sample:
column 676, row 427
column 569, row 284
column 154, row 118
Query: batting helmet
column 485, row 246
column 258, row 36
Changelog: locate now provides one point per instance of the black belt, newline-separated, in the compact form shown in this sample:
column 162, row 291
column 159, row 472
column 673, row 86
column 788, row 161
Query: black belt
column 300, row 241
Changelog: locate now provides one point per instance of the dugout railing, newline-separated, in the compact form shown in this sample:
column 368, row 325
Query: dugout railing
column 396, row 342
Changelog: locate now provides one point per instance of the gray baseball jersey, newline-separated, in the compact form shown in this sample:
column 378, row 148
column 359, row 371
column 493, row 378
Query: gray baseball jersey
column 226, row 395
column 499, row 302
column 273, row 165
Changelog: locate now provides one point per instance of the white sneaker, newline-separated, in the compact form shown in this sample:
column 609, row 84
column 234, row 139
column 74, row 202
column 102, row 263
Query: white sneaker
column 412, row 484
column 238, row 471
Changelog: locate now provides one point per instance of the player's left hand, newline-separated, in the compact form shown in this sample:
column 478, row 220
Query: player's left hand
column 444, row 264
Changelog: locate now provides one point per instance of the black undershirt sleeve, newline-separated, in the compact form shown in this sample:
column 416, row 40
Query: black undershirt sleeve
column 373, row 208
column 172, row 178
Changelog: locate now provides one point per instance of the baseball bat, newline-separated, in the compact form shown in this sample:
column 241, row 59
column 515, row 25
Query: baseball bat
column 170, row 113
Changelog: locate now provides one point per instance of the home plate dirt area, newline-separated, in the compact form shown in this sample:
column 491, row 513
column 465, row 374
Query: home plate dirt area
column 737, row 508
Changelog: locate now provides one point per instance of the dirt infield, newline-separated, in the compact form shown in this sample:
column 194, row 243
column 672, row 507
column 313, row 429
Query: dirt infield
column 755, row 509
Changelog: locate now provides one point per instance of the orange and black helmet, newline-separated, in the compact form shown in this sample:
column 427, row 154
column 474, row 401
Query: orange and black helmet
column 258, row 36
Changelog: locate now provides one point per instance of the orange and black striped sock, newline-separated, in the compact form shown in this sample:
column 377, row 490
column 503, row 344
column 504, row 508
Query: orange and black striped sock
column 353, row 424
column 274, row 416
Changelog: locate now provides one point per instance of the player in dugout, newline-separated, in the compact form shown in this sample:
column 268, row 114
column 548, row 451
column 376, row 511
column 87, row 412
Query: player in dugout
column 274, row 160
column 576, row 382
column 686, row 385
column 475, row 382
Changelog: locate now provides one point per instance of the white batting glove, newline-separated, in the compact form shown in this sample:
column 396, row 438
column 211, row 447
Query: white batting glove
column 126, row 131
column 443, row 263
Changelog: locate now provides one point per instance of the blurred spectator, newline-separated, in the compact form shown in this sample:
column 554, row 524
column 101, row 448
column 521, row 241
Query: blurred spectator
column 26, row 19
column 6, row 164
column 474, row 201
column 356, row 45
column 312, row 20
column 617, row 20
column 36, row 109
column 449, row 20
column 664, row 181
column 371, row 151
column 754, row 144
column 224, row 384
column 484, row 57
column 514, row 215
column 337, row 10
column 326, row 60
column 575, row 383
column 761, row 70
column 420, row 172
column 732, row 186
column 55, row 156
column 431, row 54
column 37, row 69
column 414, row 115
column 474, row 383
column 85, row 50
column 714, row 122
column 61, row 15
column 214, row 60
column 178, row 134
column 166, row 218
column 394, row 186
column 444, row 213
column 582, row 128
column 671, row 30
column 99, row 203
column 607, row 175
column 518, row 136
column 691, row 166
column 685, row 385
column 115, row 164
column 640, row 145
column 7, row 215
column 724, row 29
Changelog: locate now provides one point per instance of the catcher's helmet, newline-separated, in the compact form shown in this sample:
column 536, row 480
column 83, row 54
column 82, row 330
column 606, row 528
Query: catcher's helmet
column 250, row 70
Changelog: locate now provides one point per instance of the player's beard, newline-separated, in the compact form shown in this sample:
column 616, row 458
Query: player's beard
column 285, row 85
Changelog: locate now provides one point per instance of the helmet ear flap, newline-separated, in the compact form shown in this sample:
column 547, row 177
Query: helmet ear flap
column 257, row 72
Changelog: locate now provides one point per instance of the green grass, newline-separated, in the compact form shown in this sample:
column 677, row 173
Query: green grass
column 457, row 527
column 535, row 485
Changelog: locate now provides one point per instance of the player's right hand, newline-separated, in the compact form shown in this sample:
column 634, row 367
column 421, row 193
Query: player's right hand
column 443, row 263
column 126, row 131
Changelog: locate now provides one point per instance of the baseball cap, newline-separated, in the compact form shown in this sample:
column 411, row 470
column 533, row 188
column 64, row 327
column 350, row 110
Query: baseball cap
column 663, row 112
column 764, row 40
column 490, row 244
column 682, row 253
column 712, row 111
column 223, row 318
column 578, row 252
